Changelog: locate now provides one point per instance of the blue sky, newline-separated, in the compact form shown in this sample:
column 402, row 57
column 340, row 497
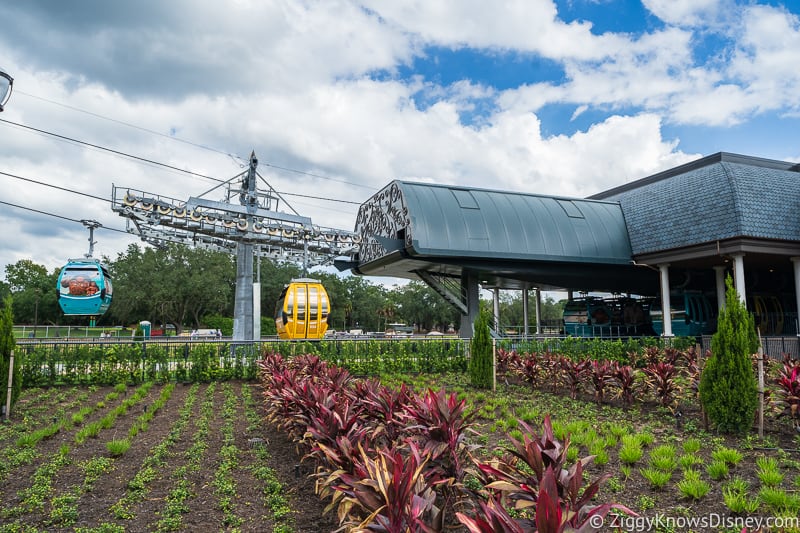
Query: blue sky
column 567, row 97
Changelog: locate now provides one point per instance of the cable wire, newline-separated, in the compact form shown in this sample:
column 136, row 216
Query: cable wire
column 85, row 194
column 57, row 216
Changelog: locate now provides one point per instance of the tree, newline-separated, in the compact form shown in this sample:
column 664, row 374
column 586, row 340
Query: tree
column 173, row 285
column 480, row 349
column 728, row 389
column 7, row 343
column 34, row 292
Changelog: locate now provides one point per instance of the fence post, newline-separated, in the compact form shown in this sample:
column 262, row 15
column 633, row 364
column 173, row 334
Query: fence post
column 10, row 384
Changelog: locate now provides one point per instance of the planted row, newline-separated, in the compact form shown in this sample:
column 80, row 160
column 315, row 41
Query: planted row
column 667, row 377
column 393, row 460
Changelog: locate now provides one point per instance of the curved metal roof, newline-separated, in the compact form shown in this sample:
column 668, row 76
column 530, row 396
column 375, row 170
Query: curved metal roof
column 455, row 221
column 545, row 240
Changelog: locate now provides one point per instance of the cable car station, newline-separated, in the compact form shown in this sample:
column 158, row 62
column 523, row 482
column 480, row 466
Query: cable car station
column 666, row 241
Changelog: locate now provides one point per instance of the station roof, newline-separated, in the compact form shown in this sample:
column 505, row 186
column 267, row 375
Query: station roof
column 718, row 198
column 510, row 237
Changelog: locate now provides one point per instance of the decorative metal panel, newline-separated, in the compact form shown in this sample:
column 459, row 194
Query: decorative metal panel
column 384, row 215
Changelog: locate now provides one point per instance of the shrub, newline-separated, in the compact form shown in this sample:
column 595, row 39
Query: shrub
column 7, row 343
column 480, row 361
column 728, row 390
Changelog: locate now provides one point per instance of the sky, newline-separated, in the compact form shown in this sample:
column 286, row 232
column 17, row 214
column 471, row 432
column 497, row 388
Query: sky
column 337, row 98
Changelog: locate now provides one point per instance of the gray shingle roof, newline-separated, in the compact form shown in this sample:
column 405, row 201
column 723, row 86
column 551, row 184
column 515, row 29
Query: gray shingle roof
column 718, row 197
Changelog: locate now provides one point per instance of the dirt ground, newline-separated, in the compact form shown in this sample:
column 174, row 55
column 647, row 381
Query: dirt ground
column 202, row 507
column 252, row 508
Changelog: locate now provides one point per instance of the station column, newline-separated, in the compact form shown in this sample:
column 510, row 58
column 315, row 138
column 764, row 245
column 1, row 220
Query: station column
column 666, row 305
column 719, row 274
column 738, row 276
column 469, row 287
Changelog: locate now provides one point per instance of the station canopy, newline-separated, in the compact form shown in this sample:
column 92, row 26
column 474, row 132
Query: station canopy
column 510, row 240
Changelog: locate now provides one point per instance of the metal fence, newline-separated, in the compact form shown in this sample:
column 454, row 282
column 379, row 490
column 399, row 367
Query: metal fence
column 110, row 361
column 774, row 347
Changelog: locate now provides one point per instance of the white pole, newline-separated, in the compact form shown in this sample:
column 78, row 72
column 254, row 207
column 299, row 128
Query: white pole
column 719, row 277
column 738, row 276
column 760, row 387
column 666, row 306
column 494, row 364
column 525, row 329
column 538, row 311
column 10, row 383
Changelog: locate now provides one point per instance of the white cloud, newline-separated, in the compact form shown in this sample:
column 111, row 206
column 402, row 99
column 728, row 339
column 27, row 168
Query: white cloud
column 683, row 12
column 767, row 58
column 523, row 25
column 297, row 82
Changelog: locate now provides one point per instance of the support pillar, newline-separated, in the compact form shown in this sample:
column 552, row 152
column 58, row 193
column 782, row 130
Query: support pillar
column 469, row 287
column 666, row 305
column 796, row 263
column 738, row 276
column 538, row 311
column 526, row 329
column 719, row 274
column 243, row 303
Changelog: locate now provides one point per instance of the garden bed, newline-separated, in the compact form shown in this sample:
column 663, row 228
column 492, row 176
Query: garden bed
column 201, row 458
column 204, row 461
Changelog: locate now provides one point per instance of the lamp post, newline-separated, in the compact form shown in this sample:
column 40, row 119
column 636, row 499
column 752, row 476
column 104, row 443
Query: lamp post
column 6, row 84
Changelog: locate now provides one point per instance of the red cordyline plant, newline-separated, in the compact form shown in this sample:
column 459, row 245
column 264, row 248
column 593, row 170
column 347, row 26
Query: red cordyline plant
column 506, row 360
column 331, row 419
column 601, row 375
column 573, row 374
column 530, row 369
column 672, row 356
column 661, row 378
column 491, row 517
column 384, row 410
column 518, row 483
column 552, row 365
column 439, row 424
column 788, row 393
column 624, row 380
column 388, row 493
column 557, row 494
column 652, row 355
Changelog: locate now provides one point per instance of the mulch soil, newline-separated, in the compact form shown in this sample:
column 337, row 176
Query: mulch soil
column 203, row 511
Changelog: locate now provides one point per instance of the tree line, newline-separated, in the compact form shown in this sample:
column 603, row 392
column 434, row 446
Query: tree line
column 187, row 287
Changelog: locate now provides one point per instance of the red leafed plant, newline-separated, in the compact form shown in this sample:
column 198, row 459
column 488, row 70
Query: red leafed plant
column 530, row 369
column 493, row 518
column 384, row 410
column 438, row 423
column 624, row 379
column 601, row 374
column 519, row 476
column 506, row 360
column 661, row 378
column 537, row 479
column 788, row 393
column 573, row 374
column 388, row 493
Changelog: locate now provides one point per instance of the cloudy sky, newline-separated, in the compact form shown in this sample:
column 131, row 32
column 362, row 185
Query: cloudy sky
column 338, row 97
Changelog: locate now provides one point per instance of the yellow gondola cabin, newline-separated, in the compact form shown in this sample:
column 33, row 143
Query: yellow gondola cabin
column 302, row 310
